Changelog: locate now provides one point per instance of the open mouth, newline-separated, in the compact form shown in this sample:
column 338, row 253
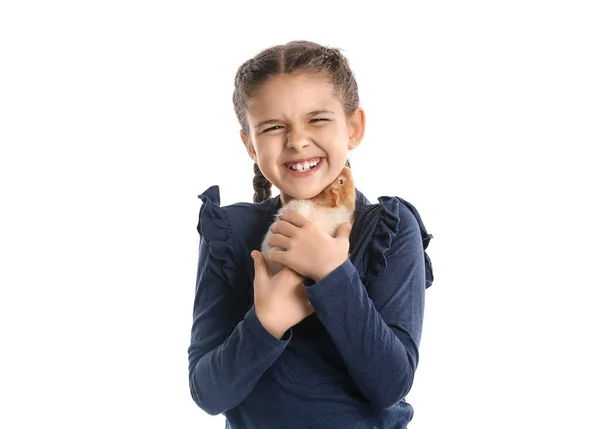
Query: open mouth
column 304, row 166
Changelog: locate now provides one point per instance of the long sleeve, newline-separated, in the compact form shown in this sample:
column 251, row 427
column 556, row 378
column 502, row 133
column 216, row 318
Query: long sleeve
column 377, row 329
column 226, row 356
column 229, row 350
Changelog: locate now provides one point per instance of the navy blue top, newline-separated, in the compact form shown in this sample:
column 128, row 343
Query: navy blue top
column 348, row 365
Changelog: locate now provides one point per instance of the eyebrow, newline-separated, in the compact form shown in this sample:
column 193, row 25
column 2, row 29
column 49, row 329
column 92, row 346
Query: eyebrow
column 273, row 121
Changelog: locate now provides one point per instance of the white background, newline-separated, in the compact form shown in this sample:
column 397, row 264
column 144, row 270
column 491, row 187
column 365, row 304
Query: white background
column 115, row 115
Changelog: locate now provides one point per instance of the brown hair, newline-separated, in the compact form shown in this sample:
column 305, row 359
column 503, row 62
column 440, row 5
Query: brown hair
column 298, row 55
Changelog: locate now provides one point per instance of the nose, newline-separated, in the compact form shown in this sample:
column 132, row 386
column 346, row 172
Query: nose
column 297, row 140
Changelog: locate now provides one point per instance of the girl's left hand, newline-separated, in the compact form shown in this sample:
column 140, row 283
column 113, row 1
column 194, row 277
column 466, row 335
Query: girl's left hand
column 307, row 248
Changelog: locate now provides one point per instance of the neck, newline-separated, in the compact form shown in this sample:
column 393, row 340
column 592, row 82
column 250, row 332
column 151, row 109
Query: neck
column 285, row 198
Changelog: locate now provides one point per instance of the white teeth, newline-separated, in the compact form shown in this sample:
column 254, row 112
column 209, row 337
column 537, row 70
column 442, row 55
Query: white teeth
column 305, row 166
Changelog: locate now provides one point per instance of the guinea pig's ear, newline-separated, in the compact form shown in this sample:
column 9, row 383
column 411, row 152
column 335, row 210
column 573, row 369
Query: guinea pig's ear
column 335, row 197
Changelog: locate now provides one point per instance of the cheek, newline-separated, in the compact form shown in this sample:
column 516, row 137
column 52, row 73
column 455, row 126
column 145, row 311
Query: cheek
column 330, row 132
column 268, row 163
column 335, row 136
column 265, row 151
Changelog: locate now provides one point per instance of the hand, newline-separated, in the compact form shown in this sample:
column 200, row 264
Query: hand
column 307, row 248
column 280, row 301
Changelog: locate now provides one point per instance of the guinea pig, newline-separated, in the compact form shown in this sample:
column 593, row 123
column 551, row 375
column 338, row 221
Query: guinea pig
column 329, row 209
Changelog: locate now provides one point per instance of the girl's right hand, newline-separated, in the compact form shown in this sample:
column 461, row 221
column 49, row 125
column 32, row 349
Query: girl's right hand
column 280, row 301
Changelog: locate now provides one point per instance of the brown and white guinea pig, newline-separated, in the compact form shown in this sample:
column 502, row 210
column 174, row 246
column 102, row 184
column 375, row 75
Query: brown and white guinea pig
column 334, row 206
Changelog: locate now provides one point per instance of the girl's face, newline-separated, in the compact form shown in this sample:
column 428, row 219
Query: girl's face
column 299, row 133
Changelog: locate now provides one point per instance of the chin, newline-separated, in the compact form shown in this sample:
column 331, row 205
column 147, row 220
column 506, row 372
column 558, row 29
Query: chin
column 304, row 194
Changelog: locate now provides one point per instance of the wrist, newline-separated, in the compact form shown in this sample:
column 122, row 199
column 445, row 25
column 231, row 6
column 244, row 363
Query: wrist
column 270, row 326
column 328, row 270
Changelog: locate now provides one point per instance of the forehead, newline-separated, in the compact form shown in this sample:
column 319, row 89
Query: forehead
column 290, row 94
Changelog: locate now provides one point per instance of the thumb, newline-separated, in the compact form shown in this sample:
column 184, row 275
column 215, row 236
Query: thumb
column 260, row 264
column 343, row 231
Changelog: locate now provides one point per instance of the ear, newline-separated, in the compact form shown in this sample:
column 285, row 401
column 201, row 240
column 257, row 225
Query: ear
column 356, row 125
column 337, row 199
column 248, row 144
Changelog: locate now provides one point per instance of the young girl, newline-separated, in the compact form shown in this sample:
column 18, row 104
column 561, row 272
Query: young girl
column 331, row 341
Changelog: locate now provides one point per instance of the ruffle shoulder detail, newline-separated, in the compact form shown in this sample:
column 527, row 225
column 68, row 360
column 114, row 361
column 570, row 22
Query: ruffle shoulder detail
column 215, row 228
column 387, row 228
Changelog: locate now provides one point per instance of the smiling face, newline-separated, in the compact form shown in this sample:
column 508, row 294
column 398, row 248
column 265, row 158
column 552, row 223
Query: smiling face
column 299, row 133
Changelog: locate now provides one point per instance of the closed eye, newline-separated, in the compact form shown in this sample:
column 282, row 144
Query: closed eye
column 272, row 128
column 276, row 127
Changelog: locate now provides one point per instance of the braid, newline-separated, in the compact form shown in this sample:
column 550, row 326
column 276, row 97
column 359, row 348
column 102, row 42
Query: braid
column 262, row 187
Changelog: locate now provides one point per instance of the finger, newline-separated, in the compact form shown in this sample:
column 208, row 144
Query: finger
column 284, row 228
column 260, row 265
column 276, row 255
column 344, row 230
column 294, row 218
column 281, row 241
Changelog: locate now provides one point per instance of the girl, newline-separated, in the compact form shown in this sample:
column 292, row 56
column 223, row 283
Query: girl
column 331, row 341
